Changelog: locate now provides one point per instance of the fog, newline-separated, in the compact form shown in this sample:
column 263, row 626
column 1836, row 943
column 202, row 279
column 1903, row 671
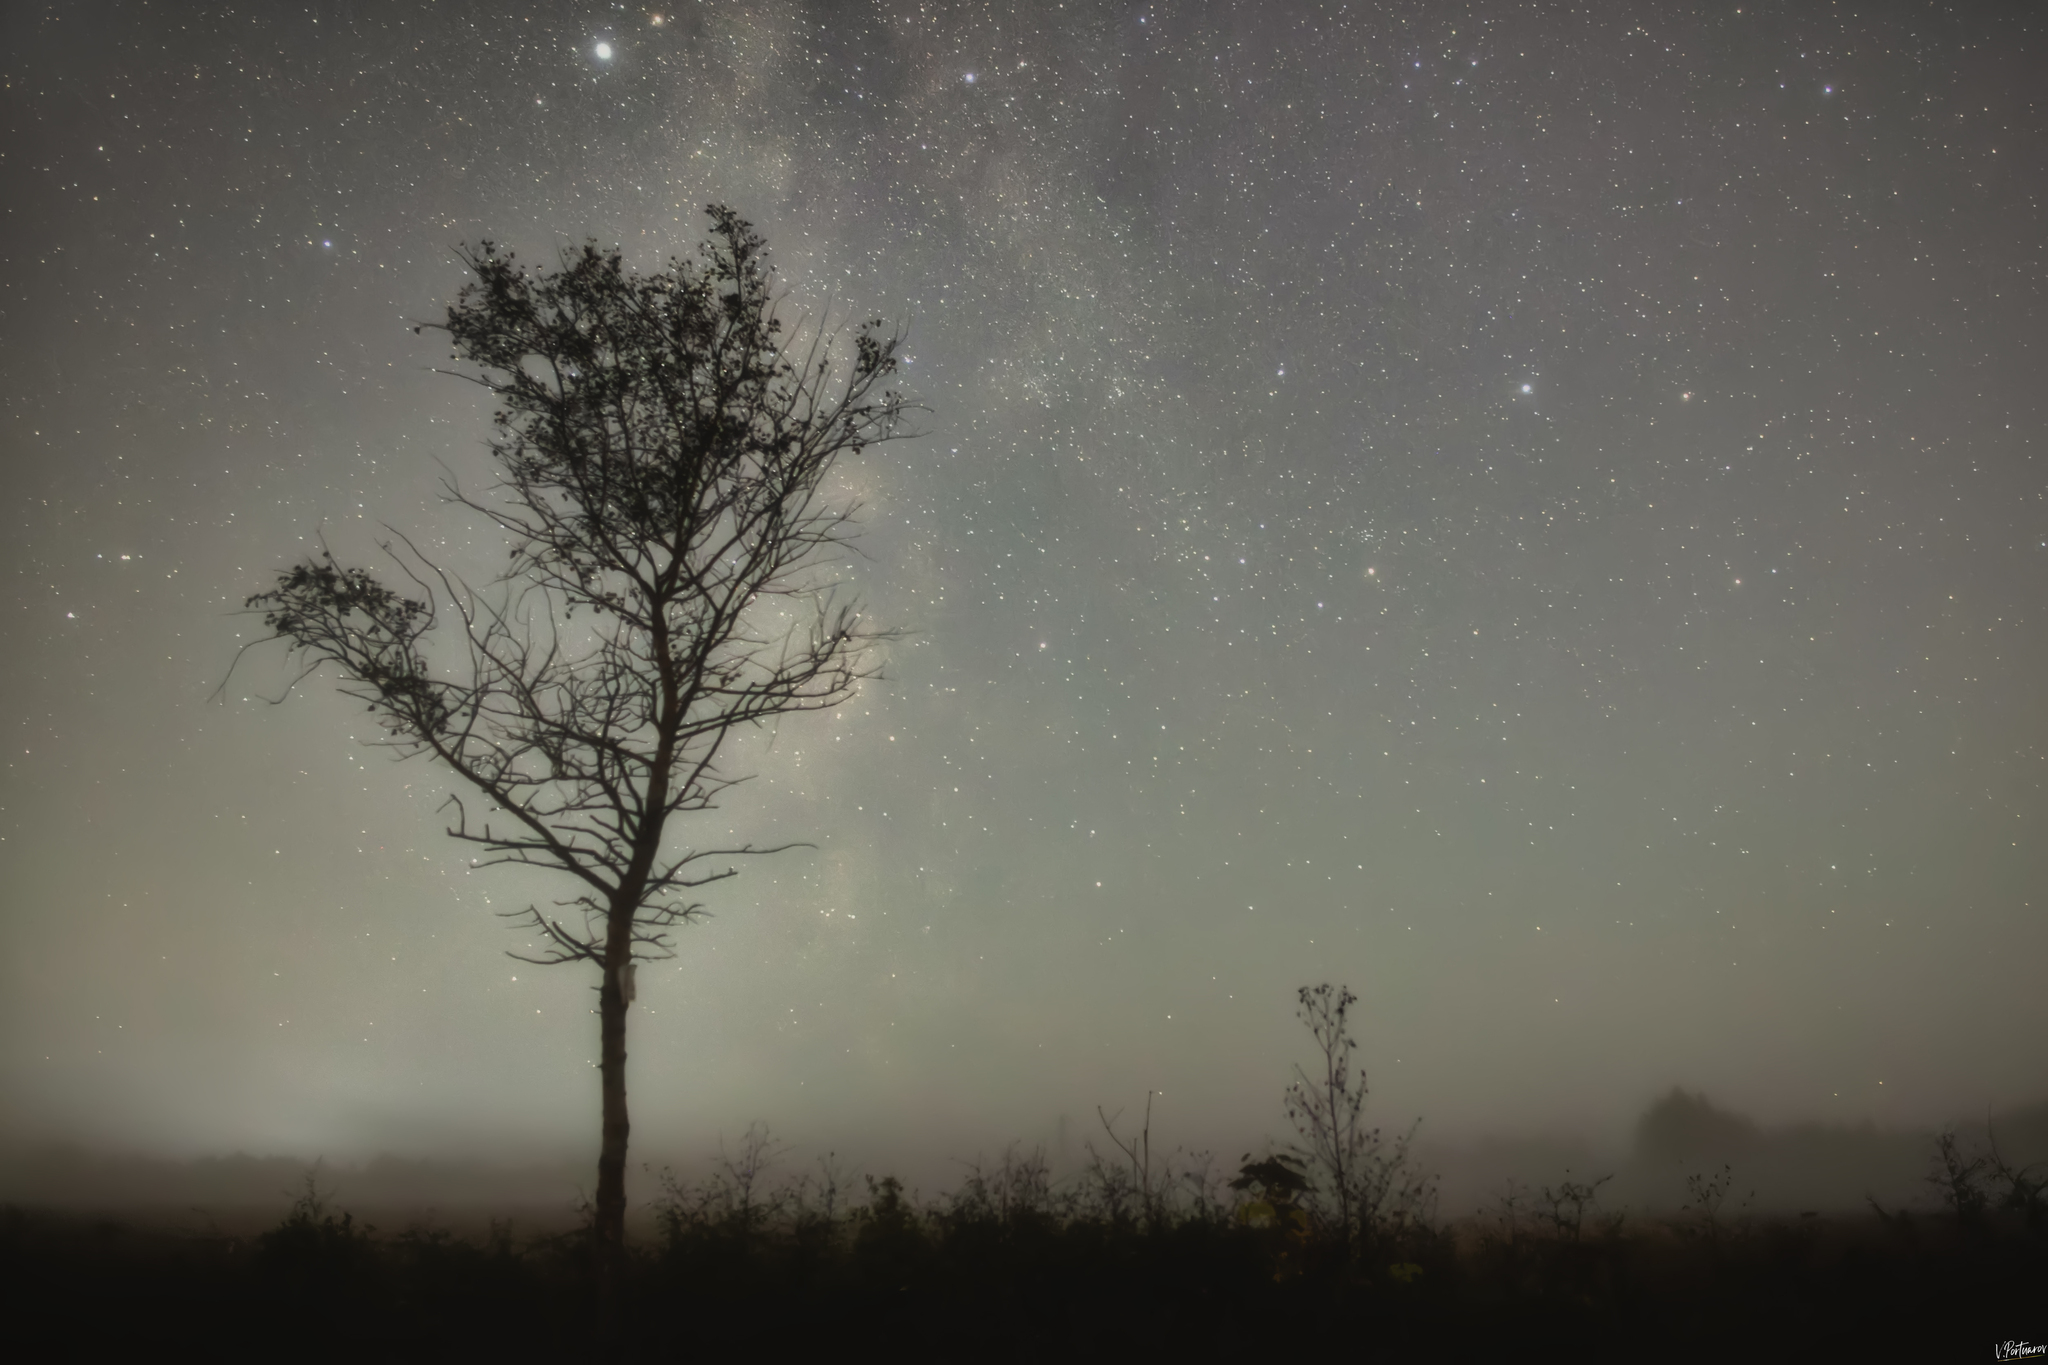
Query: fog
column 1535, row 516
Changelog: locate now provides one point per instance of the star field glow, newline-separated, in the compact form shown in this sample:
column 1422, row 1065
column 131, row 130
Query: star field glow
column 1256, row 633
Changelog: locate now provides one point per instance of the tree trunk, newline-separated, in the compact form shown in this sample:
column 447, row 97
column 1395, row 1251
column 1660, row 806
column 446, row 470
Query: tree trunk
column 611, row 1160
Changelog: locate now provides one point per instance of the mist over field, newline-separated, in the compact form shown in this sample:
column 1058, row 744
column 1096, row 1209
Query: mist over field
column 1537, row 516
column 1800, row 1169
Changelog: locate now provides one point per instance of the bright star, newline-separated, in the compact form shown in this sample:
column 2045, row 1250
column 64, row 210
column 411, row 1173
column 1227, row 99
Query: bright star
column 1528, row 388
column 603, row 51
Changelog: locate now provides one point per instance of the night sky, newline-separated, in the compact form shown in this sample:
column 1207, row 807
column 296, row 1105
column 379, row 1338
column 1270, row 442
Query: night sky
column 1536, row 512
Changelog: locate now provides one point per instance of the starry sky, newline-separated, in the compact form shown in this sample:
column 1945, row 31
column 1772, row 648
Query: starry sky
column 1535, row 511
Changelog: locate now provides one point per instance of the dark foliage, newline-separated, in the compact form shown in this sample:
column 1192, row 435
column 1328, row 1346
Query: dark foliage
column 1012, row 1265
column 1129, row 1258
column 1156, row 1262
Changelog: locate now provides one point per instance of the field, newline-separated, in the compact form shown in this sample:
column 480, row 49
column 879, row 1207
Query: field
column 1010, row 1266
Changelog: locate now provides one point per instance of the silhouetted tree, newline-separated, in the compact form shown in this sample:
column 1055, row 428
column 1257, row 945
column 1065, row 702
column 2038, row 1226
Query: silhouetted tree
column 662, row 448
column 1959, row 1177
column 1370, row 1185
column 1686, row 1129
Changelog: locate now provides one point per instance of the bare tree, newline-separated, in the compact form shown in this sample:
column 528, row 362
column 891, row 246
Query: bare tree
column 662, row 448
column 1374, row 1184
column 1138, row 1151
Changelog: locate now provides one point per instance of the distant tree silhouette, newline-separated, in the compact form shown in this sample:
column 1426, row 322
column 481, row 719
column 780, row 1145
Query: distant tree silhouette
column 1682, row 1127
column 662, row 448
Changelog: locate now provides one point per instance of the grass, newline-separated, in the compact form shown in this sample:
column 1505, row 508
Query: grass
column 1331, row 1246
column 1011, row 1265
